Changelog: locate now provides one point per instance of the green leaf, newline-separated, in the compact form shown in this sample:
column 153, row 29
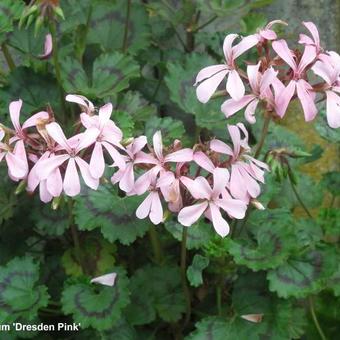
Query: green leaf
column 20, row 296
column 111, row 74
column 198, row 234
column 115, row 216
column 50, row 222
column 9, row 11
column 334, row 281
column 271, row 242
column 108, row 22
column 122, row 331
column 194, row 271
column 97, row 306
column 331, row 180
column 102, row 262
column 303, row 274
column 171, row 129
column 161, row 286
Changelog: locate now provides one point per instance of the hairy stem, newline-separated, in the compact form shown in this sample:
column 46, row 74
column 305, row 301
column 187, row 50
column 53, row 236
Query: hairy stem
column 155, row 244
column 185, row 287
column 264, row 133
column 126, row 28
column 8, row 57
column 315, row 319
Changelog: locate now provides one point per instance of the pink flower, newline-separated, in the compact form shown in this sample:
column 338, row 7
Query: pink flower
column 48, row 47
column 109, row 137
column 329, row 70
column 85, row 104
column 48, row 188
column 160, row 162
column 125, row 176
column 314, row 41
column 297, row 84
column 245, row 170
column 151, row 206
column 267, row 33
column 210, row 77
column 204, row 161
column 260, row 85
column 73, row 145
column 212, row 202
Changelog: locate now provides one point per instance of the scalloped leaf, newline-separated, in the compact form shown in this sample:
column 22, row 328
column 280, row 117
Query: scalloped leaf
column 111, row 74
column 50, row 222
column 271, row 242
column 9, row 11
column 20, row 296
column 114, row 215
column 107, row 26
column 97, row 306
column 198, row 234
column 161, row 286
column 194, row 271
column 304, row 274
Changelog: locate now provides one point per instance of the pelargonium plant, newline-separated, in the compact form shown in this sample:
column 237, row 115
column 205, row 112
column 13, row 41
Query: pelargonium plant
column 213, row 182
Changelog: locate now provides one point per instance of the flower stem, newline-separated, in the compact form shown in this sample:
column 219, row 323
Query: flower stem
column 185, row 287
column 264, row 133
column 212, row 19
column 315, row 319
column 8, row 57
column 126, row 29
column 156, row 246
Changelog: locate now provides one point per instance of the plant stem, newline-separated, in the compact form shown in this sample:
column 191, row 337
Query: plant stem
column 185, row 287
column 315, row 319
column 156, row 246
column 56, row 65
column 205, row 24
column 219, row 299
column 264, row 133
column 304, row 207
column 126, row 28
column 8, row 57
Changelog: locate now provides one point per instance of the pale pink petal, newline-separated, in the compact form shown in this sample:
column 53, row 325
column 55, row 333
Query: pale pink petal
column 189, row 215
column 166, row 178
column 87, row 138
column 48, row 47
column 333, row 109
column 221, row 226
column 14, row 111
column 235, row 135
column 253, row 76
column 207, row 87
column 97, row 162
column 274, row 22
column 283, row 99
column 191, row 187
column 32, row 121
column 128, row 179
column 88, row 121
column 227, row 47
column 17, row 167
column 208, row 72
column 204, row 161
column 235, row 85
column 115, row 155
column 184, row 155
column 44, row 195
column 231, row 106
column 252, row 186
column 221, row 147
column 45, row 167
column 106, row 280
column 55, row 131
column 203, row 188
column 234, row 208
column 282, row 49
column 84, row 168
column 138, row 144
column 143, row 182
column 267, row 79
column 307, row 58
column 221, row 178
column 306, row 99
column 237, row 187
column 54, row 183
column 158, row 145
column 156, row 210
column 305, row 40
column 268, row 34
column 32, row 178
column 249, row 113
column 82, row 101
column 144, row 209
column 244, row 45
column 314, row 31
column 104, row 114
column 142, row 157
column 324, row 71
column 71, row 180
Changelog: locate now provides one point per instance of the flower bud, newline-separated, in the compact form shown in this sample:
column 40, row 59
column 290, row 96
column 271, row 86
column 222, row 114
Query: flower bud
column 20, row 188
column 56, row 202
column 257, row 204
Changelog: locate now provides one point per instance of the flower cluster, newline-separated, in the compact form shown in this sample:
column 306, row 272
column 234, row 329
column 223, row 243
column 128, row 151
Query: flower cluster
column 208, row 180
column 280, row 76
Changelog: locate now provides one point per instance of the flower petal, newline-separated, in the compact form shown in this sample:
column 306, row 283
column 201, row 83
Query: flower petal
column 54, row 183
column 104, row 114
column 221, row 178
column 189, row 215
column 204, row 161
column 306, row 99
column 158, row 145
column 14, row 111
column 249, row 113
column 333, row 109
column 84, row 168
column 97, row 162
column 45, row 167
column 32, row 121
column 56, row 132
column 144, row 209
column 244, row 45
column 221, row 226
column 283, row 51
column 221, row 147
column 156, row 210
column 106, row 280
column 234, row 208
column 283, row 99
column 71, row 180
column 231, row 106
column 184, row 155
column 235, row 85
